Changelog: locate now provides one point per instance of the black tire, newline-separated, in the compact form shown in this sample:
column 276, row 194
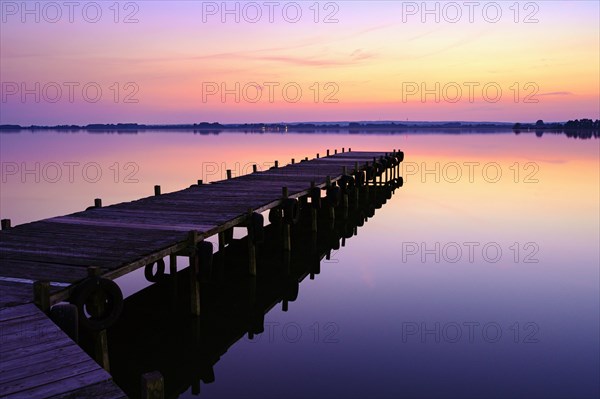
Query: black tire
column 113, row 303
column 275, row 216
column 315, row 197
column 257, row 222
column 204, row 251
column 400, row 156
column 370, row 173
column 291, row 211
column 346, row 182
column 334, row 196
column 359, row 178
column 160, row 271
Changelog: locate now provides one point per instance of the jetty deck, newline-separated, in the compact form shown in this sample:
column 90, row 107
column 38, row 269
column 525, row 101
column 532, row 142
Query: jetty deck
column 117, row 239
column 38, row 360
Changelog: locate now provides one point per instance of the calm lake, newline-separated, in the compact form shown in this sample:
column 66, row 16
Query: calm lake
column 479, row 278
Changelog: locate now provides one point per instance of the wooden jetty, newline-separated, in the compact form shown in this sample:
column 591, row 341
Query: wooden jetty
column 75, row 257
column 185, row 352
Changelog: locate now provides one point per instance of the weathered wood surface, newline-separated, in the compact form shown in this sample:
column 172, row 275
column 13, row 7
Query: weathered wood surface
column 122, row 237
column 38, row 360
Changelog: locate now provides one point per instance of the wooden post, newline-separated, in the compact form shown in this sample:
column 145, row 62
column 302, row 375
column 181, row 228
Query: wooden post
column 194, row 273
column 99, row 338
column 335, row 151
column 173, row 275
column 228, row 174
column 251, row 246
column 153, row 385
column 276, row 163
column 327, row 152
column 349, row 149
column 330, row 208
column 41, row 295
column 156, row 190
column 287, row 241
column 313, row 213
column 345, row 205
column 200, row 182
column 317, row 155
column 254, row 168
column 293, row 161
column 5, row 224
column 98, row 203
column 343, row 150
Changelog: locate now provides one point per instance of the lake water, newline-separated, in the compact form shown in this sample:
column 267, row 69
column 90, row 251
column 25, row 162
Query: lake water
column 479, row 278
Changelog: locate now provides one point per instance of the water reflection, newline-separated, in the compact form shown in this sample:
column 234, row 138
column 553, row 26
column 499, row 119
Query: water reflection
column 155, row 331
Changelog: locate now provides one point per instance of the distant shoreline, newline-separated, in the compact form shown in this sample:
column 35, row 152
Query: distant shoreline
column 581, row 129
column 584, row 124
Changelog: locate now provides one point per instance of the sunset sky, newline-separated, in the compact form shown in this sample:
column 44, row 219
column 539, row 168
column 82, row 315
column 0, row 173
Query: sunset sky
column 371, row 61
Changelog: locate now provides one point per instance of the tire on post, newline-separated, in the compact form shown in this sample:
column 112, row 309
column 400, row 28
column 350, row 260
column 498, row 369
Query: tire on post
column 110, row 296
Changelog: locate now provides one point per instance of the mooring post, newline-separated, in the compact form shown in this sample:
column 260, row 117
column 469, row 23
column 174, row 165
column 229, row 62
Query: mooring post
column 330, row 207
column 194, row 273
column 335, row 151
column 41, row 295
column 287, row 240
column 313, row 213
column 251, row 246
column 173, row 275
column 345, row 205
column 343, row 150
column 153, row 385
column 200, row 182
column 157, row 190
column 5, row 224
column 293, row 161
column 100, row 338
column 98, row 203
column 254, row 168
column 287, row 267
column 276, row 163
column 228, row 174
column 251, row 303
column 328, row 152
column 317, row 155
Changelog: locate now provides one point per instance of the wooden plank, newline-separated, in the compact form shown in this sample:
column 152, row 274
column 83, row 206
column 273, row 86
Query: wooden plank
column 38, row 360
column 12, row 294
column 101, row 390
column 72, row 379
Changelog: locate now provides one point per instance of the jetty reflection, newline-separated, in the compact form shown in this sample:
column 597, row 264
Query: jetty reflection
column 157, row 333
